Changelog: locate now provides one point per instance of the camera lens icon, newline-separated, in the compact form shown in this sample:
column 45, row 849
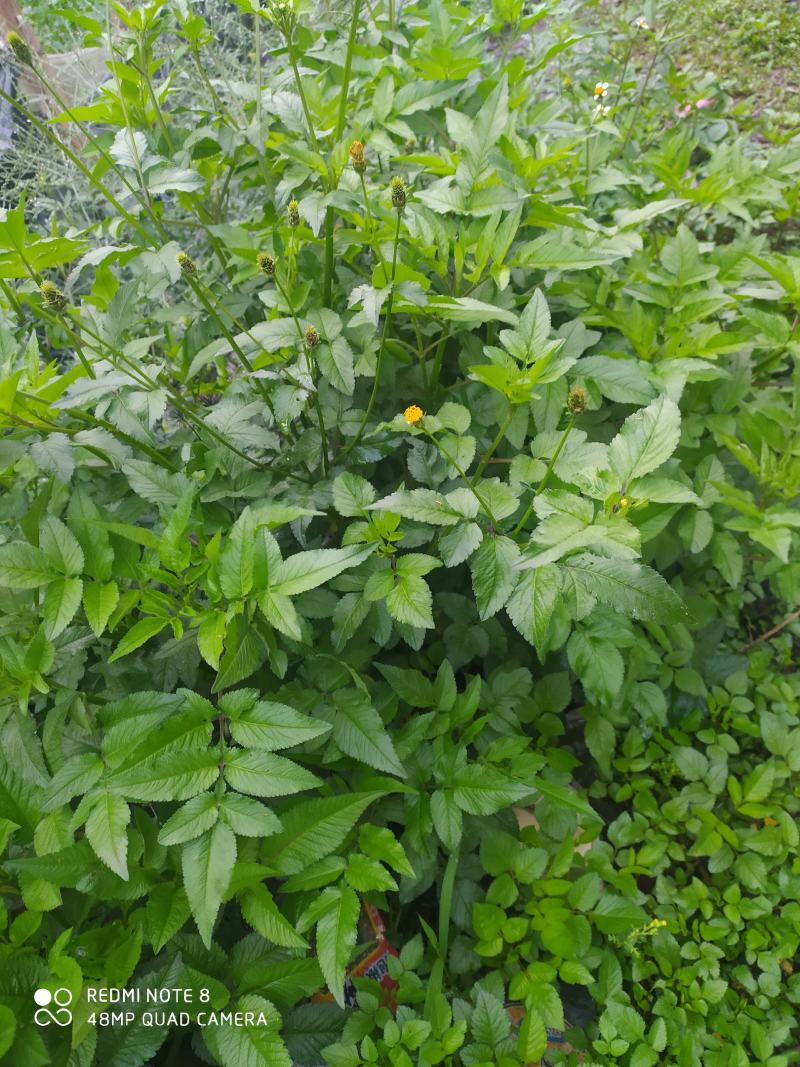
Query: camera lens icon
column 61, row 1015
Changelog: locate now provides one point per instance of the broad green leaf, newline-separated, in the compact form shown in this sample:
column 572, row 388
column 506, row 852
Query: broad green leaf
column 630, row 588
column 410, row 601
column 480, row 789
column 106, row 829
column 530, row 607
column 248, row 817
column 336, row 938
column 250, row 1046
column 22, row 566
column 410, row 685
column 448, row 819
column 359, row 731
column 307, row 570
column 532, row 1038
column 423, row 505
column 190, row 820
column 154, row 484
column 60, row 546
column 647, row 439
column 352, row 494
column 138, row 635
column 236, row 563
column 99, row 601
column 75, row 776
column 260, row 910
column 173, row 776
column 493, row 574
column 264, row 774
column 207, row 867
column 270, row 726
column 166, row 910
column 61, row 601
column 314, row 829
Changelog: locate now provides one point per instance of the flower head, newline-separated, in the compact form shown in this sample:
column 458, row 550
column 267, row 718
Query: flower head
column 311, row 337
column 704, row 102
column 293, row 213
column 641, row 24
column 411, row 144
column 398, row 190
column 20, row 47
column 357, row 157
column 576, row 400
column 186, row 263
column 266, row 264
column 683, row 112
column 413, row 414
column 52, row 297
column 602, row 109
column 601, row 89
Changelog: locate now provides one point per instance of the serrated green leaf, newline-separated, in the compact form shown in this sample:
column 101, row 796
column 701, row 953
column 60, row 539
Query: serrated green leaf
column 647, row 439
column 627, row 587
column 493, row 574
column 262, row 913
column 336, row 938
column 106, row 829
column 313, row 829
column 359, row 731
column 99, row 601
column 166, row 910
column 264, row 774
column 207, row 867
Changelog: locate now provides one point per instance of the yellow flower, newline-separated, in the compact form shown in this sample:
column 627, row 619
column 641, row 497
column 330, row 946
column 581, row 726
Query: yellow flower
column 413, row 414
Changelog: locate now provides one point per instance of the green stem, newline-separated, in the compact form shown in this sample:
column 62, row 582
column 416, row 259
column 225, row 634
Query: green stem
column 327, row 285
column 446, row 903
column 302, row 94
column 379, row 364
column 348, row 66
column 625, row 63
column 545, row 476
column 490, row 451
column 315, row 378
column 645, row 85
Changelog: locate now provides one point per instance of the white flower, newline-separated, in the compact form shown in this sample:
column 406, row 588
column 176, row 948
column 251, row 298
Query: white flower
column 602, row 109
column 641, row 24
column 601, row 89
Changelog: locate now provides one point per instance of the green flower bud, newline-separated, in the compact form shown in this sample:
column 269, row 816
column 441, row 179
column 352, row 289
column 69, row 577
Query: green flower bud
column 21, row 49
column 266, row 264
column 53, row 298
column 311, row 337
column 186, row 263
column 576, row 400
column 398, row 190
column 293, row 212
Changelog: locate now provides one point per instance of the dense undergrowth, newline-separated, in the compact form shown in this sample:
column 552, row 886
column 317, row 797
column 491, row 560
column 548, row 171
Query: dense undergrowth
column 399, row 468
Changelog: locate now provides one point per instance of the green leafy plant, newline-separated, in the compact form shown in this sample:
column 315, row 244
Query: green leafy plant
column 399, row 477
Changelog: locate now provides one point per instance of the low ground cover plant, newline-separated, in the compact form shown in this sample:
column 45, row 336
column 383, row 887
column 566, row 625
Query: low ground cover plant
column 399, row 465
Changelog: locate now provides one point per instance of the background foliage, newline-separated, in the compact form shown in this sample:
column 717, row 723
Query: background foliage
column 399, row 417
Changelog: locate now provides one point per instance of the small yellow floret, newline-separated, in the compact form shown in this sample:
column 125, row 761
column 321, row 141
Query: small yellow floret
column 413, row 414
